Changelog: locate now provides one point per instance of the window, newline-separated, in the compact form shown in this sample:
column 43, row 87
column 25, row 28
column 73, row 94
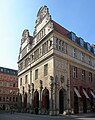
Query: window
column 81, row 42
column 94, row 50
column 90, row 76
column 0, row 98
column 74, row 52
column 57, row 43
column 14, row 85
column 74, row 72
column 45, row 69
column 36, row 74
column 83, row 74
column 3, row 98
column 20, row 81
column 73, row 35
column 62, row 46
column 26, row 79
column 5, row 84
column 11, row 84
column 88, row 46
column 0, row 83
column 89, row 60
column 82, row 56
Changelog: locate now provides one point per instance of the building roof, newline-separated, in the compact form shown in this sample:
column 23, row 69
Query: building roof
column 60, row 29
column 8, row 71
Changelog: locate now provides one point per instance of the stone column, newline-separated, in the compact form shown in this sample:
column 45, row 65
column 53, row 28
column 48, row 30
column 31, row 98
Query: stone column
column 40, row 99
column 51, row 96
column 28, row 102
column 32, row 97
column 23, row 99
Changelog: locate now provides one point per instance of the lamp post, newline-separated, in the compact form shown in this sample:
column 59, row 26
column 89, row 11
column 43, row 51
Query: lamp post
column 32, row 92
column 40, row 105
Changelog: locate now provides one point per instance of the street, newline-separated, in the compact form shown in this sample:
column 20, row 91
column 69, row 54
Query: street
column 26, row 116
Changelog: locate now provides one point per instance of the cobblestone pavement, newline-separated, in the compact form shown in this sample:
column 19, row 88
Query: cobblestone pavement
column 26, row 116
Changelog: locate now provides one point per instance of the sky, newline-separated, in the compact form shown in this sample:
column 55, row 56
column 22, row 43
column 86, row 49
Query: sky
column 16, row 15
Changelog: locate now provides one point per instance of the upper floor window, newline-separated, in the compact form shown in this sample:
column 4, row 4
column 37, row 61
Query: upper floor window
column 83, row 74
column 36, row 74
column 26, row 79
column 74, row 52
column 90, row 76
column 94, row 50
column 0, row 83
column 45, row 69
column 81, row 42
column 82, row 56
column 62, row 46
column 88, row 47
column 20, row 81
column 74, row 72
column 57, row 43
column 73, row 36
column 89, row 60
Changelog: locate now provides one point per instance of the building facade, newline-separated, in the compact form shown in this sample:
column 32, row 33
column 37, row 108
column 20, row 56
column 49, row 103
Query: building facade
column 8, row 88
column 56, row 69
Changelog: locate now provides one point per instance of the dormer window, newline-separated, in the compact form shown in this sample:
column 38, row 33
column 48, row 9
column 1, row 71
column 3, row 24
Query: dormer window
column 72, row 36
column 81, row 42
column 94, row 50
column 88, row 47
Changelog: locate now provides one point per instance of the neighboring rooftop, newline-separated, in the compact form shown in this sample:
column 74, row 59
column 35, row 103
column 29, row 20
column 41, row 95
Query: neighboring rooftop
column 8, row 71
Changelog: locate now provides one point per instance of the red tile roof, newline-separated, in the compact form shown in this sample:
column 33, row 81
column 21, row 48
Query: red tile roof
column 60, row 29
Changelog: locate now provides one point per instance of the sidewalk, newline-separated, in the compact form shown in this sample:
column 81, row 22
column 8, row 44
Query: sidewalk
column 86, row 115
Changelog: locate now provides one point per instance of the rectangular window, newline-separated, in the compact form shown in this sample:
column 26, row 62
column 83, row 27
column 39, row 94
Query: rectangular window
column 89, row 60
column 36, row 74
column 73, row 36
column 45, row 69
column 57, row 43
column 20, row 81
column 90, row 76
column 83, row 74
column 74, row 52
column 81, row 42
column 0, row 83
column 26, row 79
column 74, row 72
column 62, row 46
column 82, row 56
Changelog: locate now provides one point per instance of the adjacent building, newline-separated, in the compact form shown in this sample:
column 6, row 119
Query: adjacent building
column 8, row 88
column 56, row 69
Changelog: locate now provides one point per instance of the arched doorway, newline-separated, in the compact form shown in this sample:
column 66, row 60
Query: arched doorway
column 61, row 101
column 45, row 101
column 25, row 102
column 36, row 100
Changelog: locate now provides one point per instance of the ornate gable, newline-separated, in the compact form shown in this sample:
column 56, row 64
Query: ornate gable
column 43, row 17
